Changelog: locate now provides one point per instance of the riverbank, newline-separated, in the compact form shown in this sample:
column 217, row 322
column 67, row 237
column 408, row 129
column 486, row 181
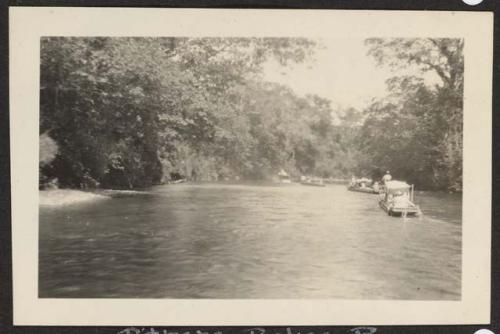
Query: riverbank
column 59, row 197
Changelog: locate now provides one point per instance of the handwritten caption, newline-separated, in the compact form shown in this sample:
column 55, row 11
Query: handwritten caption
column 255, row 330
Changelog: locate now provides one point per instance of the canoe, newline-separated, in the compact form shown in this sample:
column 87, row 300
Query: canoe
column 313, row 183
column 366, row 190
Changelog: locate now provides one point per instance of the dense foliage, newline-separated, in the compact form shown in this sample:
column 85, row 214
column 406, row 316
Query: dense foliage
column 416, row 131
column 132, row 112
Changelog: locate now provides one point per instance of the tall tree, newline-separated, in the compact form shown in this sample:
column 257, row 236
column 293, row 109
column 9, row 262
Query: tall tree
column 124, row 111
column 422, row 121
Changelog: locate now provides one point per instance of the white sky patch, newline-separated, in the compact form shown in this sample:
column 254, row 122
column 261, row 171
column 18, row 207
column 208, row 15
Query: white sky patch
column 341, row 71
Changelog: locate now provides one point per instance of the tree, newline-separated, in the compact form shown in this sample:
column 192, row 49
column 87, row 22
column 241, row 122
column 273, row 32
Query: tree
column 417, row 129
column 127, row 111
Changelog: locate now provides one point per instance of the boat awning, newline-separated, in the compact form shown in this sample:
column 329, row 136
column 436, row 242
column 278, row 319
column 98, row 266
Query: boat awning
column 397, row 185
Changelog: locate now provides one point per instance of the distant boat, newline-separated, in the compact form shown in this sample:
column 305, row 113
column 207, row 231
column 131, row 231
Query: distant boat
column 332, row 180
column 364, row 185
column 397, row 199
column 315, row 181
column 284, row 177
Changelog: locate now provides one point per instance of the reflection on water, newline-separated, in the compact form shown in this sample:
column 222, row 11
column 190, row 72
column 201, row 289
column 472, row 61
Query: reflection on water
column 250, row 241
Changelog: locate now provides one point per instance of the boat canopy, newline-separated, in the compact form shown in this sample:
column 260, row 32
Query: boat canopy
column 393, row 186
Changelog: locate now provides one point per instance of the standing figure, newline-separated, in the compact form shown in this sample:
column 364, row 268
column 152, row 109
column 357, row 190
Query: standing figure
column 387, row 177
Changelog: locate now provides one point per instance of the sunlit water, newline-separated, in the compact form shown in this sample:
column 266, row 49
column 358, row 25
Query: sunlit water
column 250, row 241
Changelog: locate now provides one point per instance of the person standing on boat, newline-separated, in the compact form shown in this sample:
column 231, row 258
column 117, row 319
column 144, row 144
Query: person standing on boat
column 387, row 177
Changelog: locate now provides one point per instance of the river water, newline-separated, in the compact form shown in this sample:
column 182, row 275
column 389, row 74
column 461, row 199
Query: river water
column 250, row 241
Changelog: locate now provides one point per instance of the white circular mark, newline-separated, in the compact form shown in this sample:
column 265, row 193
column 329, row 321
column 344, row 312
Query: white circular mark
column 473, row 3
column 482, row 331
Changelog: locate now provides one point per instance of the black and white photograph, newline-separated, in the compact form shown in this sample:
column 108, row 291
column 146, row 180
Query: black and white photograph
column 251, row 168
column 233, row 166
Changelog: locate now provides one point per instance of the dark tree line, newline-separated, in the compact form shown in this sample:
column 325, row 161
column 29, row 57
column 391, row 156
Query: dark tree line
column 132, row 112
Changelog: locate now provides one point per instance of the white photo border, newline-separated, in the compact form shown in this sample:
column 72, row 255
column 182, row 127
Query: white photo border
column 29, row 24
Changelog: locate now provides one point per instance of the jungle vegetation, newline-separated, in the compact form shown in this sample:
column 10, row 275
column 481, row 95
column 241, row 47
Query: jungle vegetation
column 132, row 112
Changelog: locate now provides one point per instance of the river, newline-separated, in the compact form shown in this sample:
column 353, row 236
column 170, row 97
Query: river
column 250, row 241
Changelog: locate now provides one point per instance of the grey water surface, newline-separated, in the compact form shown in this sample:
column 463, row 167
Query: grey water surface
column 250, row 241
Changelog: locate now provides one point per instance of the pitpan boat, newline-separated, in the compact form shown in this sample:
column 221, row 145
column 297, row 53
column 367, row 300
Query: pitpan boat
column 363, row 185
column 314, row 181
column 397, row 199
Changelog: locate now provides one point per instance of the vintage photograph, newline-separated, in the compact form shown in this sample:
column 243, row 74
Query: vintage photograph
column 251, row 167
column 230, row 167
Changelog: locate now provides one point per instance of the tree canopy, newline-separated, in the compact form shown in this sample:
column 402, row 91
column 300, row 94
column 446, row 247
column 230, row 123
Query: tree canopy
column 416, row 130
column 132, row 112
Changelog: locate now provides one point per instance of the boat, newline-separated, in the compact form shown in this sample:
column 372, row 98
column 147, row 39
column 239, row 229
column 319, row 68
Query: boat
column 397, row 199
column 284, row 177
column 313, row 181
column 364, row 185
column 332, row 180
column 361, row 189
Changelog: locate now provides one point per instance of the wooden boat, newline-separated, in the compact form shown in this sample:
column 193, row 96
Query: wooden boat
column 316, row 182
column 284, row 177
column 364, row 185
column 365, row 189
column 332, row 180
column 397, row 199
